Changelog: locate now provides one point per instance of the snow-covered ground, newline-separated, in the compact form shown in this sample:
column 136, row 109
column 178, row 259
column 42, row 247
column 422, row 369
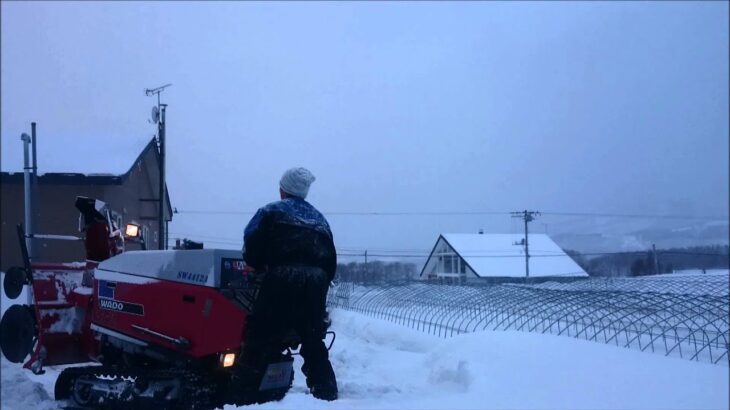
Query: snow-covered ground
column 381, row 365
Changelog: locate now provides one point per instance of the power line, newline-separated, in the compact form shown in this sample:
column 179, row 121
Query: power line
column 473, row 213
column 533, row 256
column 418, row 253
column 639, row 216
column 351, row 213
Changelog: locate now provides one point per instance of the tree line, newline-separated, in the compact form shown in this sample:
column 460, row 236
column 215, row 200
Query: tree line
column 375, row 271
column 651, row 262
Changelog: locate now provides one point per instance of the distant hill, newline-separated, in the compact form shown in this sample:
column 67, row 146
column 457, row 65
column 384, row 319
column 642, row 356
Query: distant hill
column 644, row 263
column 610, row 238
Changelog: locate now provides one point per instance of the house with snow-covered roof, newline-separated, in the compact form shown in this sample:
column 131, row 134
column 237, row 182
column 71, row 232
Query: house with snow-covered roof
column 478, row 258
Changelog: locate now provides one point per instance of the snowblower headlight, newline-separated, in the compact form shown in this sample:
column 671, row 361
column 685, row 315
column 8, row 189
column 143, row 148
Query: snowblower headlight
column 228, row 359
column 132, row 231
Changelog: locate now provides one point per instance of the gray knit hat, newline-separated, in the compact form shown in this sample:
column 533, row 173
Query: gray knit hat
column 296, row 181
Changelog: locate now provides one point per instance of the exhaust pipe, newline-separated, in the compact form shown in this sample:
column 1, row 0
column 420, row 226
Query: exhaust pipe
column 34, row 191
column 26, row 190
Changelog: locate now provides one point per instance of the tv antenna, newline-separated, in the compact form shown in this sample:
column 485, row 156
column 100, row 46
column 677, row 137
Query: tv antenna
column 158, row 90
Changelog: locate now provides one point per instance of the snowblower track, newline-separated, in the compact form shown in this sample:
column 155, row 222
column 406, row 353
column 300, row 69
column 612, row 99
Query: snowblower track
column 195, row 392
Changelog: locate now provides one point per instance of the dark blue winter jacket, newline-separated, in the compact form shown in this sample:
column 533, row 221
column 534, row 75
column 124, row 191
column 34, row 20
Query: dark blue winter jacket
column 290, row 232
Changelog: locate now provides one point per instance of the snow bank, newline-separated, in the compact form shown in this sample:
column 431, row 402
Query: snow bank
column 691, row 272
column 381, row 365
column 18, row 392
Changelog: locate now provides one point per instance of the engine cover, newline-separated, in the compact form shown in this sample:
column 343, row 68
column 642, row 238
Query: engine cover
column 170, row 299
column 203, row 267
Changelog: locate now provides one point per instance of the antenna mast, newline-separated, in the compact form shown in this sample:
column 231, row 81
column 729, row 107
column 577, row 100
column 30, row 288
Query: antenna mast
column 158, row 116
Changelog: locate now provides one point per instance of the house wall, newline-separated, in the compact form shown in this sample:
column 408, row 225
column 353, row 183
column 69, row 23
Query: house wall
column 435, row 266
column 141, row 183
column 58, row 215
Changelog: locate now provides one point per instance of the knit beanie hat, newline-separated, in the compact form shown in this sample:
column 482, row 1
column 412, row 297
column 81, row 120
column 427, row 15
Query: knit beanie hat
column 296, row 181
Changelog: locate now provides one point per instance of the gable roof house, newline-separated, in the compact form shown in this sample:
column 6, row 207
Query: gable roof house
column 495, row 258
column 130, row 195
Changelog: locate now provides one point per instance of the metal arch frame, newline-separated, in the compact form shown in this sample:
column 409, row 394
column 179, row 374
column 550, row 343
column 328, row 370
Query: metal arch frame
column 551, row 301
column 504, row 312
column 635, row 318
column 685, row 285
column 571, row 307
column 403, row 295
column 421, row 323
column 445, row 311
column 455, row 314
column 507, row 310
column 411, row 319
column 689, row 316
column 484, row 300
column 369, row 297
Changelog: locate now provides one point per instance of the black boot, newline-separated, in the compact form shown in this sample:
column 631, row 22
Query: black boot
column 326, row 391
column 318, row 370
column 322, row 381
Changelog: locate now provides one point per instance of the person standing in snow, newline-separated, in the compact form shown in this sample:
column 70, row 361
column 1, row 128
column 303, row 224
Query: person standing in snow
column 291, row 243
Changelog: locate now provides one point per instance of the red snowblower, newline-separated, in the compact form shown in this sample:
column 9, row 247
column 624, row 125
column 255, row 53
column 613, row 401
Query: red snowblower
column 164, row 329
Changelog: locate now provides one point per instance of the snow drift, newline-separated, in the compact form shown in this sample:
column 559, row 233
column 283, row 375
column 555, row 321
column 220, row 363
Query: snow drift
column 381, row 365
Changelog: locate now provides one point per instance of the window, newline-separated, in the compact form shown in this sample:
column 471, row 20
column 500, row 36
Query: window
column 447, row 264
column 451, row 264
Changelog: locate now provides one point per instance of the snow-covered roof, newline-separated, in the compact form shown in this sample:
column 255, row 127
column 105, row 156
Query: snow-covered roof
column 122, row 164
column 88, row 165
column 81, row 156
column 496, row 255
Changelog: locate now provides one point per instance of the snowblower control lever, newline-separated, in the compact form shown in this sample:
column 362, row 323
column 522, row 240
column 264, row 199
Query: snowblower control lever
column 180, row 342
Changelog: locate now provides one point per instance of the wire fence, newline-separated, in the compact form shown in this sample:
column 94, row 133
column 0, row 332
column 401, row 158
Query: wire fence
column 683, row 317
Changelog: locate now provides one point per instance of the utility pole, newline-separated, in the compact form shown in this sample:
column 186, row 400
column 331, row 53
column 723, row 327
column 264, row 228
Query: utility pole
column 527, row 216
column 656, row 259
column 158, row 116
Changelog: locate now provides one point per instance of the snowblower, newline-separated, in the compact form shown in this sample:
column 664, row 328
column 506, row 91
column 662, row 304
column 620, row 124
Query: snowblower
column 165, row 329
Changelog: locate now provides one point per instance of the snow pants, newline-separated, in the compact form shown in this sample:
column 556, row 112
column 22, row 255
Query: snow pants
column 293, row 298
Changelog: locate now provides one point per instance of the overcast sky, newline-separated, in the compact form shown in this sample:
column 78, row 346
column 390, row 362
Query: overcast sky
column 594, row 107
